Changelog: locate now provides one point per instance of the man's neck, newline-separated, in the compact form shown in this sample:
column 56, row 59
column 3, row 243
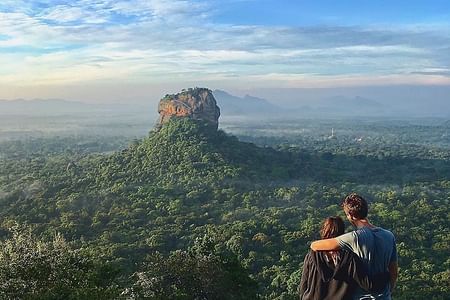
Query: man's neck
column 363, row 223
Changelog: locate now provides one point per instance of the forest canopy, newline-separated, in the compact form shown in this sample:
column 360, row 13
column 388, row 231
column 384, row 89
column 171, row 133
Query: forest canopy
column 190, row 212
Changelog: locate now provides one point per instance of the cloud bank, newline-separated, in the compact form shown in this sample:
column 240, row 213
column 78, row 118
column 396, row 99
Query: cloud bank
column 51, row 43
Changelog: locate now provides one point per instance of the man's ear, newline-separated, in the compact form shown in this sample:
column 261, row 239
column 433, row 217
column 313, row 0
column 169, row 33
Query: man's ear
column 349, row 216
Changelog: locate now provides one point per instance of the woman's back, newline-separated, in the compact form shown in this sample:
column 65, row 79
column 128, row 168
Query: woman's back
column 317, row 281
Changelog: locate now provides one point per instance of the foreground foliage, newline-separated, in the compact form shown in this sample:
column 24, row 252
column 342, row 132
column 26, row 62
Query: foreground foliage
column 189, row 212
column 35, row 269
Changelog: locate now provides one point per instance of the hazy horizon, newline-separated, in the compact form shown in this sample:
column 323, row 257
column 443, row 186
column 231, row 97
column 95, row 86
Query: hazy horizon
column 392, row 101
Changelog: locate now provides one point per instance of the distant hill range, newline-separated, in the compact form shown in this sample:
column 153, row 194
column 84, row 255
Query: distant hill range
column 327, row 107
column 247, row 105
column 345, row 106
column 404, row 101
column 282, row 104
column 60, row 107
column 230, row 105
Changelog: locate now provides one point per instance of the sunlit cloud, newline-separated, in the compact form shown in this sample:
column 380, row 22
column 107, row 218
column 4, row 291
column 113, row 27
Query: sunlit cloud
column 65, row 42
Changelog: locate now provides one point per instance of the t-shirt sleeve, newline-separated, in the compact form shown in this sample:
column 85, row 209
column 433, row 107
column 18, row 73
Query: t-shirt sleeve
column 394, row 256
column 348, row 241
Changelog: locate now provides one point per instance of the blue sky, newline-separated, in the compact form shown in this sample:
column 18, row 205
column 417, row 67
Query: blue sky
column 106, row 48
column 345, row 12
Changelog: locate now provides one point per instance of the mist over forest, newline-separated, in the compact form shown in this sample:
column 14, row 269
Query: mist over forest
column 34, row 118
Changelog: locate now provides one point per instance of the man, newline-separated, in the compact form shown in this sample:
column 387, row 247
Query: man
column 374, row 245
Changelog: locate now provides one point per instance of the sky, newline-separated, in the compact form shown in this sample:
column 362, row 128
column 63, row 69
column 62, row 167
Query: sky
column 117, row 50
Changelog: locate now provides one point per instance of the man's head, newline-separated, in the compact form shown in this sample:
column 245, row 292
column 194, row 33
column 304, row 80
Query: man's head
column 355, row 207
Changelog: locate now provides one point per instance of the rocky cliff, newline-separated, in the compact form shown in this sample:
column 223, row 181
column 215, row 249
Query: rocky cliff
column 194, row 103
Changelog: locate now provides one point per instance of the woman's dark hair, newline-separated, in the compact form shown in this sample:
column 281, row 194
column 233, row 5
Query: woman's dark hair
column 332, row 227
column 355, row 206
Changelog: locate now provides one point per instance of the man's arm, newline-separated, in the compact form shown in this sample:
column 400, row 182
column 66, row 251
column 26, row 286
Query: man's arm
column 393, row 266
column 393, row 272
column 325, row 245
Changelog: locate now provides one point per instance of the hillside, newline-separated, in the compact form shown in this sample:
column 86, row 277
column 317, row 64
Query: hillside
column 196, row 201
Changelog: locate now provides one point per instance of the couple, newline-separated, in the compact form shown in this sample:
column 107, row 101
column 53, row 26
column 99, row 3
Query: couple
column 361, row 264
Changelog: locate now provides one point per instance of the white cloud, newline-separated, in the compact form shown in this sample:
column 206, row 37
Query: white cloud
column 65, row 13
column 156, row 40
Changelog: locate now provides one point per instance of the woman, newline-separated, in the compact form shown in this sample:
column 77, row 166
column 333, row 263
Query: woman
column 335, row 274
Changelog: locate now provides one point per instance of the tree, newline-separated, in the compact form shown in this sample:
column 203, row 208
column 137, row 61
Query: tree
column 35, row 269
column 199, row 273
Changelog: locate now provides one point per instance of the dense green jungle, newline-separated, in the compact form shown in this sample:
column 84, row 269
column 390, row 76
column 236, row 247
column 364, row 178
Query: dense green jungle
column 189, row 212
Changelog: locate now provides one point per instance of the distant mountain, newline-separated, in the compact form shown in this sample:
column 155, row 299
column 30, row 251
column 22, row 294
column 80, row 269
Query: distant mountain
column 248, row 105
column 405, row 101
column 328, row 106
column 343, row 105
column 59, row 107
column 351, row 101
column 339, row 106
column 41, row 106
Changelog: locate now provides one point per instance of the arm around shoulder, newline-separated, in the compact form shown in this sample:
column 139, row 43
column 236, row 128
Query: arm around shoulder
column 325, row 245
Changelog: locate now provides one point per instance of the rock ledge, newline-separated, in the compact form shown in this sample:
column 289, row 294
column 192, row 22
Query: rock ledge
column 193, row 103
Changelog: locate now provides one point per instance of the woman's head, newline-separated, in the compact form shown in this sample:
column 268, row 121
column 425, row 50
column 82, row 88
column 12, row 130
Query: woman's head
column 332, row 227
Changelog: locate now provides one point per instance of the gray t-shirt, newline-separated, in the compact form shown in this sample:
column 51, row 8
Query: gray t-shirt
column 376, row 247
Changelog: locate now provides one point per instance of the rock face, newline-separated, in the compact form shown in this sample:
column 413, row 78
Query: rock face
column 194, row 103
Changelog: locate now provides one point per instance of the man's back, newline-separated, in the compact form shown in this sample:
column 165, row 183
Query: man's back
column 376, row 247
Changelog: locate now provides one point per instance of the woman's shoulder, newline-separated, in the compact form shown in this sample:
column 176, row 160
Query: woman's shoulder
column 309, row 255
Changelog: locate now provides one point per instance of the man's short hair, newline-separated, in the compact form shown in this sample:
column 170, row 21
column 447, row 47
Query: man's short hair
column 355, row 206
